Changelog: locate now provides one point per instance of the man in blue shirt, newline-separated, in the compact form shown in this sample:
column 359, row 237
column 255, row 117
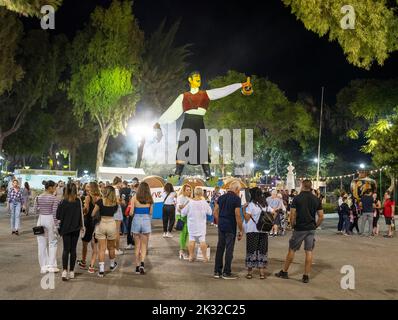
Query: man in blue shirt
column 227, row 213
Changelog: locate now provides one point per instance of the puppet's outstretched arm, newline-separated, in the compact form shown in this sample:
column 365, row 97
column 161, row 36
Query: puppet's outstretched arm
column 219, row 93
column 173, row 112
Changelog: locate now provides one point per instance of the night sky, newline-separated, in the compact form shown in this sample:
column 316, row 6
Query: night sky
column 257, row 38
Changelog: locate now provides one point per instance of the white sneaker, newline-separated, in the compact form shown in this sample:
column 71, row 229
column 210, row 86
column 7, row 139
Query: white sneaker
column 118, row 252
column 53, row 269
column 164, row 235
column 71, row 275
column 129, row 247
column 44, row 270
column 64, row 275
column 169, row 235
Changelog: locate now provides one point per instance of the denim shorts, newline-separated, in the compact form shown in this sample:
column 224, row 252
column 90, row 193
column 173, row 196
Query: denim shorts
column 141, row 223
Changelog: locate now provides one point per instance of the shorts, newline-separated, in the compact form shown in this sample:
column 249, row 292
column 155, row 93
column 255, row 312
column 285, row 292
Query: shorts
column 299, row 236
column 197, row 239
column 88, row 236
column 388, row 220
column 141, row 223
column 118, row 216
column 106, row 229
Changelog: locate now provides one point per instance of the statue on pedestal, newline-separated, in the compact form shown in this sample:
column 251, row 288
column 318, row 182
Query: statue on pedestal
column 290, row 181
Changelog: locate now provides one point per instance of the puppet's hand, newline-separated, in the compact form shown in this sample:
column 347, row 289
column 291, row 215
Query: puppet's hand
column 158, row 132
column 247, row 88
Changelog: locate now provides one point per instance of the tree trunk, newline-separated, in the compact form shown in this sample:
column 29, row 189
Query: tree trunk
column 392, row 184
column 101, row 148
column 140, row 152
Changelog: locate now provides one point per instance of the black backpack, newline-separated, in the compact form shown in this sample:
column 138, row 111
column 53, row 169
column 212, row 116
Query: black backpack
column 265, row 221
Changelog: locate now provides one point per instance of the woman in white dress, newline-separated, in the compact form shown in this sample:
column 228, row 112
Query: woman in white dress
column 196, row 211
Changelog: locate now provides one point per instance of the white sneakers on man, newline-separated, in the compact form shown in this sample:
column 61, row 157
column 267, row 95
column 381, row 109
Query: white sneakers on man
column 129, row 247
column 64, row 275
column 71, row 275
column 164, row 235
column 118, row 252
column 169, row 235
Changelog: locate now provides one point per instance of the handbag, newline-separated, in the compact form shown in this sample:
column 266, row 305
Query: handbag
column 83, row 230
column 179, row 225
column 38, row 230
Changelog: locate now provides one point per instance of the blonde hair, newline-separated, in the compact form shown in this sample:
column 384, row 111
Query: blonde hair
column 198, row 192
column 235, row 185
column 183, row 188
column 109, row 196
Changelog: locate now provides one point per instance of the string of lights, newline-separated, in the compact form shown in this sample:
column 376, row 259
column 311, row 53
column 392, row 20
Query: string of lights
column 345, row 175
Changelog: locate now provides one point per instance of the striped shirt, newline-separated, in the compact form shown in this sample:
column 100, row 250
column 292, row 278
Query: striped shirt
column 47, row 204
column 14, row 195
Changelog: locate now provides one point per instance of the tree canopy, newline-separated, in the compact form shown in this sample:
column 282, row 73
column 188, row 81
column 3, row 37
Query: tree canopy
column 10, row 35
column 29, row 7
column 277, row 122
column 373, row 37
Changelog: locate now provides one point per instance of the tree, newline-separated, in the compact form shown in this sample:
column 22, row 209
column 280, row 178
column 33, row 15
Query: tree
column 104, row 59
column 376, row 103
column 163, row 74
column 42, row 61
column 10, row 34
column 276, row 121
column 29, row 7
column 373, row 36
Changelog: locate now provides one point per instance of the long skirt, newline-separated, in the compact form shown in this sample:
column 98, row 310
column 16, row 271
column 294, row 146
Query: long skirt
column 184, row 233
column 193, row 149
column 256, row 250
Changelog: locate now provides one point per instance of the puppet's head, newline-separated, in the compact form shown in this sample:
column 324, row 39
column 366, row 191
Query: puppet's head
column 194, row 80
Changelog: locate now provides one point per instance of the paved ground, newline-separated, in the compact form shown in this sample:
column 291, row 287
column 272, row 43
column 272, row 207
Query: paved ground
column 375, row 261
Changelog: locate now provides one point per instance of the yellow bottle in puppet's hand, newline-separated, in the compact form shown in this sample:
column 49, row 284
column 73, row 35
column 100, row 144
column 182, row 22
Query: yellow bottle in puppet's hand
column 247, row 88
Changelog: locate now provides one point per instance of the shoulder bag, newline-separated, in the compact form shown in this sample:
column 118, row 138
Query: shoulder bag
column 38, row 230
column 83, row 229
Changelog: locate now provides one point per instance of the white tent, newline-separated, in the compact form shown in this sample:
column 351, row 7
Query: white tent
column 108, row 173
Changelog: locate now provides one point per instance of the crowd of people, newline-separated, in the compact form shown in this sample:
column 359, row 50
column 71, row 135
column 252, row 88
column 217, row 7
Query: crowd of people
column 99, row 213
column 354, row 214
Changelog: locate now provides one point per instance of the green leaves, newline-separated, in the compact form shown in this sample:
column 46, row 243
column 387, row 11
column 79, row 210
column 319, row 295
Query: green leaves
column 10, row 35
column 375, row 31
column 29, row 7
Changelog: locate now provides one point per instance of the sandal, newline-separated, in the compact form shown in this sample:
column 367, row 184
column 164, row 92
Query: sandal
column 249, row 276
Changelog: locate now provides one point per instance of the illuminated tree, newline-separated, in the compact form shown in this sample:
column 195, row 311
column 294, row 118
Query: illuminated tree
column 29, row 7
column 105, row 59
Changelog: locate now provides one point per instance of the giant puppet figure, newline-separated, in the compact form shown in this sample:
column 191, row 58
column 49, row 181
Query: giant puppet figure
column 194, row 104
column 361, row 185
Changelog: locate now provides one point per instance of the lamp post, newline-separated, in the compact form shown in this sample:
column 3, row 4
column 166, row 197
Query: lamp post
column 267, row 171
column 319, row 141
